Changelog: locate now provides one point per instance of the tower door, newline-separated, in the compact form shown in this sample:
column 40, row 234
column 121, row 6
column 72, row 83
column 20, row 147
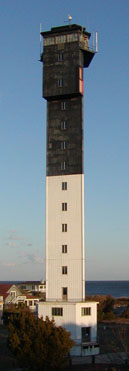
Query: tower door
column 86, row 334
column 65, row 293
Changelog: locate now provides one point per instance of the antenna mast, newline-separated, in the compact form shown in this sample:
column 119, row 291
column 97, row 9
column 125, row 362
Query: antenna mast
column 40, row 39
column 96, row 41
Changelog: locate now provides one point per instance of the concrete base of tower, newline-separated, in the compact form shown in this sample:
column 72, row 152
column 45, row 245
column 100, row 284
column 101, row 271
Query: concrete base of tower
column 78, row 318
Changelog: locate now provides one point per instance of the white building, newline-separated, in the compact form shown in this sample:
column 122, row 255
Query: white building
column 1, row 309
column 33, row 286
column 11, row 294
column 78, row 318
column 65, row 53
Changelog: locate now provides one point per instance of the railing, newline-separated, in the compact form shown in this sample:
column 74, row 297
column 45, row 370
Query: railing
column 91, row 341
column 84, row 45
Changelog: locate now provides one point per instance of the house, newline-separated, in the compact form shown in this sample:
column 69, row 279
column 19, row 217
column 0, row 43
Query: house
column 33, row 286
column 11, row 294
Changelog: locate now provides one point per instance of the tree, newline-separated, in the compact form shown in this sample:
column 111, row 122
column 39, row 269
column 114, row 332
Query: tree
column 11, row 309
column 105, row 310
column 37, row 343
column 119, row 341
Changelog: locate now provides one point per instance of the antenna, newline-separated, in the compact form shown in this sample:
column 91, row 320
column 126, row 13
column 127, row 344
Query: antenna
column 96, row 37
column 93, row 41
column 40, row 39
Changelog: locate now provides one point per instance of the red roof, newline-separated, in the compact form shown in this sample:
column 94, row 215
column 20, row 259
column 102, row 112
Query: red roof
column 32, row 297
column 4, row 287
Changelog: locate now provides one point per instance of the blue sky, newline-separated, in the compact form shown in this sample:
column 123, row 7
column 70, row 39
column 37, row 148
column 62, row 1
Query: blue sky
column 23, row 137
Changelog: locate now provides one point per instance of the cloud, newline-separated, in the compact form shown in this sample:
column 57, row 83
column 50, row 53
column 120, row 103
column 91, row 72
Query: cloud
column 14, row 236
column 8, row 264
column 11, row 244
column 13, row 239
column 33, row 258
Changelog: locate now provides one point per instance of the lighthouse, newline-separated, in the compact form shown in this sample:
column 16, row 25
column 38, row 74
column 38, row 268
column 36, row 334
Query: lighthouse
column 66, row 53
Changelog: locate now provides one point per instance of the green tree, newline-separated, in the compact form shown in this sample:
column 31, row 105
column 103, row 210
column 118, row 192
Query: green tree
column 38, row 344
column 105, row 310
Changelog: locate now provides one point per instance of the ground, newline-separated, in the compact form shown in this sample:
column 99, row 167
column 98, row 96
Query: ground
column 105, row 362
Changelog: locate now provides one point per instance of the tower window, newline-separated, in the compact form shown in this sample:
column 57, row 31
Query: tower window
column 64, row 206
column 61, row 56
column 64, row 249
column 63, row 165
column 60, row 83
column 64, row 105
column 81, row 80
column 64, row 227
column 64, row 270
column 64, row 293
column 80, row 73
column 63, row 145
column 50, row 145
column 60, row 39
column 64, row 186
column 86, row 311
column 64, row 125
column 57, row 311
column 72, row 37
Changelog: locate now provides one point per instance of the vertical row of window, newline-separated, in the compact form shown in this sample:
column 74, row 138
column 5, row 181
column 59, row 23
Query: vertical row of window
column 60, row 81
column 64, row 229
column 64, row 126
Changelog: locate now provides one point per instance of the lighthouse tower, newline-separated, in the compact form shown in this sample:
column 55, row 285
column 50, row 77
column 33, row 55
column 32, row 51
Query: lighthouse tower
column 66, row 53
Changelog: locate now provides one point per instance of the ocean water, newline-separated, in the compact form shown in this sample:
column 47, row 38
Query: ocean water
column 116, row 289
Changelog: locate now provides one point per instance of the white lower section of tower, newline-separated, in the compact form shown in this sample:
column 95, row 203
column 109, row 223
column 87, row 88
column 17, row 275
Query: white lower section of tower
column 65, row 268
column 65, row 265
column 78, row 318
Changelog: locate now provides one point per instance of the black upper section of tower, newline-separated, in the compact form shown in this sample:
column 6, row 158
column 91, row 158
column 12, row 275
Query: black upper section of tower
column 65, row 52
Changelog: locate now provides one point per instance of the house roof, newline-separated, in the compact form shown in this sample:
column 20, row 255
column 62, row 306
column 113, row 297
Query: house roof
column 31, row 283
column 4, row 288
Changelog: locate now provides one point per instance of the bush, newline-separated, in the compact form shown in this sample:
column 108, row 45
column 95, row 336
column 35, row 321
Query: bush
column 105, row 310
column 38, row 344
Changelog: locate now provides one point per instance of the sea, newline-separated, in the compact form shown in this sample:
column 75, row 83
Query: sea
column 116, row 289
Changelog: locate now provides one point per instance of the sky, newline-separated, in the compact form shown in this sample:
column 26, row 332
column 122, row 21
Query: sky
column 23, row 137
